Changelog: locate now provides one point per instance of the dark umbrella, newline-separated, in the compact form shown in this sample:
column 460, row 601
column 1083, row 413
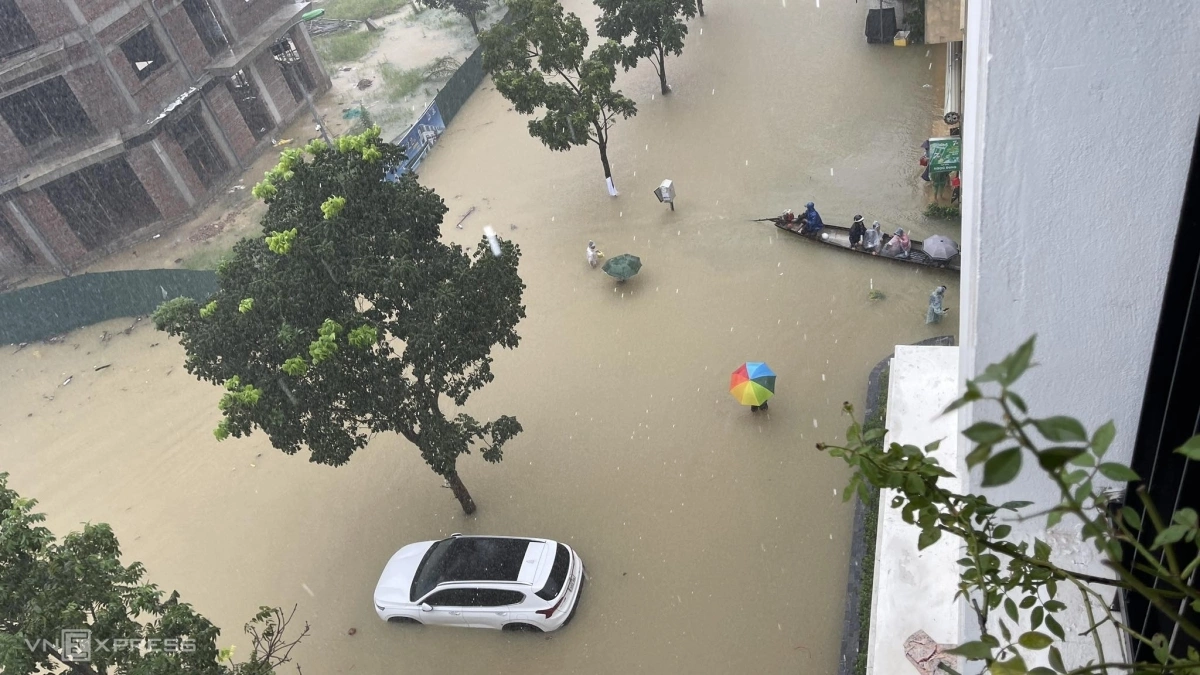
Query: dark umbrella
column 940, row 248
column 623, row 266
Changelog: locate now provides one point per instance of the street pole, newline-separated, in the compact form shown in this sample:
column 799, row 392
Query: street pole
column 316, row 118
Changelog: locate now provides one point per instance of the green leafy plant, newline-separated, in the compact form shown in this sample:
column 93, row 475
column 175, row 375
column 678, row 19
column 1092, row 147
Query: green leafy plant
column 364, row 321
column 49, row 585
column 876, row 294
column 538, row 63
column 1013, row 585
column 647, row 29
column 943, row 212
column 914, row 19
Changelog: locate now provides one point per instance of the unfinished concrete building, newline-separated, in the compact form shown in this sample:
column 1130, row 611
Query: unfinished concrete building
column 119, row 117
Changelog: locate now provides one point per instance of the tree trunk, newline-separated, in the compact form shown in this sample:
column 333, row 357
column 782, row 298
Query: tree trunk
column 700, row 4
column 474, row 23
column 604, row 159
column 662, row 72
column 460, row 492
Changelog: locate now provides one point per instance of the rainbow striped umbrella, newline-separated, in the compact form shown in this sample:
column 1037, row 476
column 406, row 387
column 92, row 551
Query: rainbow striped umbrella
column 753, row 383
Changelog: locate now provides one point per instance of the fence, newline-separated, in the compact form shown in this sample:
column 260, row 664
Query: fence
column 461, row 85
column 39, row 312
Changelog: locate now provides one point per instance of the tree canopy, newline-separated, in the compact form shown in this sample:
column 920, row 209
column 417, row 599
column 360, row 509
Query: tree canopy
column 79, row 583
column 350, row 316
column 657, row 29
column 468, row 8
column 538, row 63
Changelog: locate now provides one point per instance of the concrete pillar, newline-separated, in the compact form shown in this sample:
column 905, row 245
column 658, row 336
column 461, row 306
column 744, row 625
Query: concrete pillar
column 218, row 135
column 86, row 31
column 173, row 172
column 265, row 94
column 33, row 235
column 226, row 23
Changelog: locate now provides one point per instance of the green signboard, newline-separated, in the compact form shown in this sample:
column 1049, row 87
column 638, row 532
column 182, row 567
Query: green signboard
column 945, row 154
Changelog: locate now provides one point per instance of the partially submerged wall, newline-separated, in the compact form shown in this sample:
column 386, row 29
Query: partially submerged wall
column 39, row 312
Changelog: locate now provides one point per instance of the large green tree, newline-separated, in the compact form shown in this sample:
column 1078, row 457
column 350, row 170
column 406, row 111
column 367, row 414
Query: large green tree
column 351, row 317
column 656, row 27
column 48, row 586
column 468, row 8
column 537, row 62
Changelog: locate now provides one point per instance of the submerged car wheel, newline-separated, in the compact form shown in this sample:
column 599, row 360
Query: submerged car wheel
column 522, row 628
column 403, row 619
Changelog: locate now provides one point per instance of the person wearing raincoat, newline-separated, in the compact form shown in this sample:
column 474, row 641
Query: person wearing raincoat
column 899, row 246
column 936, row 310
column 812, row 220
column 873, row 239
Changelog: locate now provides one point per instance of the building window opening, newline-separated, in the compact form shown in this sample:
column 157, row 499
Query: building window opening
column 206, row 25
column 250, row 104
column 143, row 53
column 202, row 153
column 13, row 245
column 102, row 202
column 44, row 115
column 15, row 34
column 295, row 72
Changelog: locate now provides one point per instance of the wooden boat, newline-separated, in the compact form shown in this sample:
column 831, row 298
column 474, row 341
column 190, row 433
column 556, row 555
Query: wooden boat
column 839, row 237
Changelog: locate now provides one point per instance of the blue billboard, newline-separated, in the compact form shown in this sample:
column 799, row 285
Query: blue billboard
column 418, row 141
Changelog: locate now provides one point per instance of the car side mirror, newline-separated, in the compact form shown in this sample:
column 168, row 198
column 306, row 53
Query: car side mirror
column 425, row 607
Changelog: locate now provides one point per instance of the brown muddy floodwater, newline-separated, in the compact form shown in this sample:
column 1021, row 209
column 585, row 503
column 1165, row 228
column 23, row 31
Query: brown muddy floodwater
column 716, row 539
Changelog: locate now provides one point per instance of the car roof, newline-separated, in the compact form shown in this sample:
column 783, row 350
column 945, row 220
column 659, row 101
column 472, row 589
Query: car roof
column 480, row 559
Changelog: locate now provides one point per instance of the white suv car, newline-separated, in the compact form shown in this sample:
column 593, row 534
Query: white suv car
column 482, row 582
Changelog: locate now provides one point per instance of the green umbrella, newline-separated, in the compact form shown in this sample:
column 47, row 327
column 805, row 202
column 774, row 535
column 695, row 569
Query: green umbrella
column 623, row 266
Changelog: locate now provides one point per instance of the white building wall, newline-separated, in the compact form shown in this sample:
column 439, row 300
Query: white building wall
column 1079, row 123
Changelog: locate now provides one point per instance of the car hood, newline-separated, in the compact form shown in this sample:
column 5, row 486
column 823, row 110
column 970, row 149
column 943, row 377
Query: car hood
column 396, row 580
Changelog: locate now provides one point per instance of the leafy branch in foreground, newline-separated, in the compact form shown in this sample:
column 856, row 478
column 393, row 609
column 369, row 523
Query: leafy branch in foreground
column 1013, row 586
column 48, row 586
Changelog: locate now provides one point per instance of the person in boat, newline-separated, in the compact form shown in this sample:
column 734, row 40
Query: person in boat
column 873, row 239
column 899, row 246
column 936, row 310
column 812, row 220
column 788, row 217
column 857, row 231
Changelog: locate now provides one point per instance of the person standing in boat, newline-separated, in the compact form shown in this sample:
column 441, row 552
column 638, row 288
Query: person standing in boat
column 936, row 311
column 899, row 246
column 873, row 239
column 812, row 220
column 857, row 231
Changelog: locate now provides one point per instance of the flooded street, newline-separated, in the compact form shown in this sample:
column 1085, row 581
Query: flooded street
column 715, row 539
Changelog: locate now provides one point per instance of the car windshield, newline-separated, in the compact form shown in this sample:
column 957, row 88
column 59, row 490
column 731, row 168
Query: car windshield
column 558, row 574
column 426, row 578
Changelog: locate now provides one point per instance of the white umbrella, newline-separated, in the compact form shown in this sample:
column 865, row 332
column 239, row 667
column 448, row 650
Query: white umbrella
column 940, row 247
